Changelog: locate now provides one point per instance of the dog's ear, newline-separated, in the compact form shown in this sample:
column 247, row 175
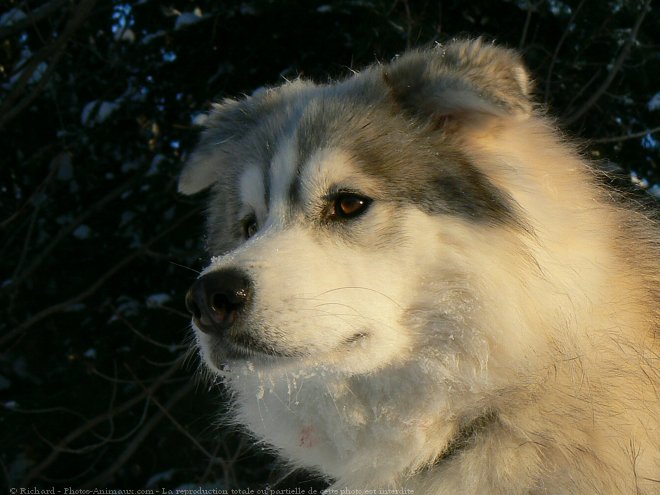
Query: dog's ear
column 226, row 122
column 460, row 80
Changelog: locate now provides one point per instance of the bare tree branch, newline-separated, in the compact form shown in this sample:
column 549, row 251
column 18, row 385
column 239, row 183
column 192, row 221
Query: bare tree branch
column 101, row 280
column 36, row 471
column 38, row 190
column 139, row 438
column 531, row 8
column 26, row 241
column 616, row 67
column 35, row 16
column 144, row 337
column 176, row 424
column 44, row 255
column 226, row 464
column 555, row 54
column 12, row 106
column 626, row 137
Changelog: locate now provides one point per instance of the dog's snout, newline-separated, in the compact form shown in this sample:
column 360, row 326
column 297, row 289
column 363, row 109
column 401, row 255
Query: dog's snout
column 218, row 299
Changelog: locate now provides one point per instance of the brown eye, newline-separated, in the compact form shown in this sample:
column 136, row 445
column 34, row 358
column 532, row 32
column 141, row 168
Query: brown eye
column 250, row 227
column 349, row 205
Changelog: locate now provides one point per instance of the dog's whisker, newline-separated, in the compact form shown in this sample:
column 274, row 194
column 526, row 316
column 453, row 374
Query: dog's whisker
column 345, row 316
column 341, row 305
column 337, row 289
column 197, row 272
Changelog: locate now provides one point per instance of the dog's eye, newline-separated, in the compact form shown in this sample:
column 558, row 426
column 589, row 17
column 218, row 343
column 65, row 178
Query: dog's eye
column 349, row 205
column 250, row 227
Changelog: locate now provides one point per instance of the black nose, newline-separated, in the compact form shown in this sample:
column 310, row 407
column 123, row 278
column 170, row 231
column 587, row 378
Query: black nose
column 218, row 299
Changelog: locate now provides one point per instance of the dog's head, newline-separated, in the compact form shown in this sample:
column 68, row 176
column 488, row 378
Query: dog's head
column 345, row 219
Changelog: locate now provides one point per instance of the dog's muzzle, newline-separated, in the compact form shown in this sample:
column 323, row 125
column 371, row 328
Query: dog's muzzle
column 218, row 300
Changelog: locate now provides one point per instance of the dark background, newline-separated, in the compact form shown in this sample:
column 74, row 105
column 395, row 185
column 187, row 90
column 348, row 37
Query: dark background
column 98, row 101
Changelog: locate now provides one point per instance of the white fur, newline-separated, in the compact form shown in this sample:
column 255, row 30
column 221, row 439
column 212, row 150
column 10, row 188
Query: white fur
column 253, row 193
column 456, row 318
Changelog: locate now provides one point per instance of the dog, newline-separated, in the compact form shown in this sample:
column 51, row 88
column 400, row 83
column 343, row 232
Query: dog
column 417, row 285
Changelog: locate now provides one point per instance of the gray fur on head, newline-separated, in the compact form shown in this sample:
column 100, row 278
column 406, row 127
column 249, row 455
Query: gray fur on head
column 459, row 79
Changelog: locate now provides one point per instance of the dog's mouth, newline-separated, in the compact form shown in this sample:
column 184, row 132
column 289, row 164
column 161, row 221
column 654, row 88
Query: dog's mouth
column 238, row 347
column 241, row 347
column 244, row 345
